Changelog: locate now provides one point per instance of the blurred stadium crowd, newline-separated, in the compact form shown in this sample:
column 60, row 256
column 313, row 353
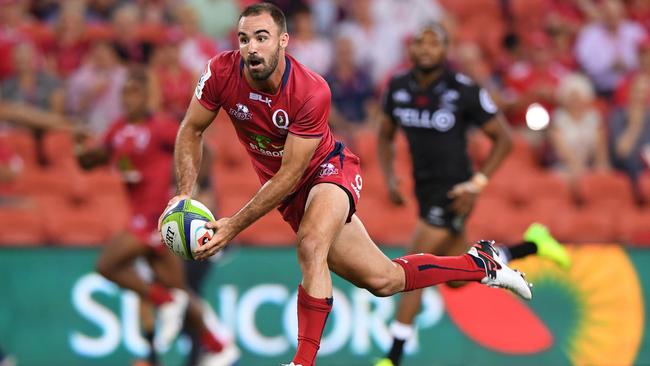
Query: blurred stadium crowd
column 572, row 77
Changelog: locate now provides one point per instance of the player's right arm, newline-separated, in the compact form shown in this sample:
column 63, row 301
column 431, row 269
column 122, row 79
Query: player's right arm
column 189, row 146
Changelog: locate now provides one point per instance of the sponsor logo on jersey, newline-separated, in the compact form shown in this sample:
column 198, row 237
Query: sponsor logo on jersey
column 327, row 169
column 281, row 119
column 442, row 120
column 486, row 101
column 241, row 112
column 201, row 84
column 357, row 185
column 436, row 215
column 260, row 98
column 265, row 146
column 401, row 96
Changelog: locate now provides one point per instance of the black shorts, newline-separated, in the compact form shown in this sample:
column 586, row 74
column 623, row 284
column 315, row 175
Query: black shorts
column 435, row 206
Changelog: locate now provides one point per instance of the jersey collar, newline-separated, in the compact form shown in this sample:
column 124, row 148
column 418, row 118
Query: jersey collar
column 285, row 76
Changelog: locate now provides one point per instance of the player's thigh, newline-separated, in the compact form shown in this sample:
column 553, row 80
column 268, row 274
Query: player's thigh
column 430, row 239
column 167, row 268
column 123, row 249
column 326, row 211
column 458, row 244
column 355, row 257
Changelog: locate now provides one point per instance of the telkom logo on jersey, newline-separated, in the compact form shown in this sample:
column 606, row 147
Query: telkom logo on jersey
column 441, row 120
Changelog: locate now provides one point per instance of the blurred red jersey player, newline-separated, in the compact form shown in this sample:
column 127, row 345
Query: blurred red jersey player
column 140, row 145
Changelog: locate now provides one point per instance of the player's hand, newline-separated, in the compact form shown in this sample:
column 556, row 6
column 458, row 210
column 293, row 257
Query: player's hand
column 394, row 192
column 464, row 196
column 224, row 232
column 171, row 202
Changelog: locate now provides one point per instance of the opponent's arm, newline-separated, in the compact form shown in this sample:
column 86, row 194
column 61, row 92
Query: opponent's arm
column 464, row 194
column 386, row 156
column 189, row 147
column 298, row 152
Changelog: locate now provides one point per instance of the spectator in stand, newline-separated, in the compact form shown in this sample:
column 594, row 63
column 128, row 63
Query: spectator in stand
column 94, row 91
column 128, row 42
column 577, row 133
column 216, row 17
column 352, row 92
column 32, row 86
column 172, row 82
column 71, row 38
column 607, row 49
column 532, row 80
column 100, row 11
column 366, row 32
column 196, row 48
column 16, row 27
column 621, row 96
column 629, row 131
column 306, row 45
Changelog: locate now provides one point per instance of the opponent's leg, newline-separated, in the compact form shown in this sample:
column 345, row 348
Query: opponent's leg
column 316, row 234
column 427, row 239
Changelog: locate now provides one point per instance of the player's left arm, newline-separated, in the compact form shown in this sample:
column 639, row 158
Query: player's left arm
column 298, row 152
column 483, row 112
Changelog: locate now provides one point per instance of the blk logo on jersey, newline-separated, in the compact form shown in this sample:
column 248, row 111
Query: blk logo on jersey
column 241, row 112
column 260, row 98
column 281, row 119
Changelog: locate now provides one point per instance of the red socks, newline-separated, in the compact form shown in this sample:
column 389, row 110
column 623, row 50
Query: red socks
column 312, row 315
column 424, row 270
column 159, row 294
column 210, row 342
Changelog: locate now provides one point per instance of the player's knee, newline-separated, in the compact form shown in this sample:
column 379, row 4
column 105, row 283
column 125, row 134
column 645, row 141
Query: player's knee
column 382, row 286
column 312, row 251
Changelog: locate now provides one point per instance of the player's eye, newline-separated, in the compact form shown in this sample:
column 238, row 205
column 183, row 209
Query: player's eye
column 243, row 40
column 261, row 38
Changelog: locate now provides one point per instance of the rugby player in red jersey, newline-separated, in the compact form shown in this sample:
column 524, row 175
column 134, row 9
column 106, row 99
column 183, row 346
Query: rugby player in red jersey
column 280, row 111
column 140, row 145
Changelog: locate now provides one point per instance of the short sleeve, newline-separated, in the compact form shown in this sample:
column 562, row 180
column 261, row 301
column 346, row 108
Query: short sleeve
column 207, row 90
column 481, row 108
column 312, row 118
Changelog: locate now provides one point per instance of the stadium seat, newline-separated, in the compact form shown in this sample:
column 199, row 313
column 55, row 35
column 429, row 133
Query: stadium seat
column 644, row 185
column 59, row 149
column 540, row 186
column 23, row 144
column 634, row 226
column 608, row 191
column 269, row 230
column 74, row 224
column 386, row 223
column 590, row 225
column 39, row 182
column 22, row 226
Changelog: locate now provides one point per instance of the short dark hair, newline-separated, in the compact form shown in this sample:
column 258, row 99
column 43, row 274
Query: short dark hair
column 268, row 8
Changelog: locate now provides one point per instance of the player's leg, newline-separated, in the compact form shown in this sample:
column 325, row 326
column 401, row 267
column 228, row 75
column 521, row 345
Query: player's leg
column 316, row 234
column 427, row 239
column 116, row 263
column 168, row 270
column 148, row 323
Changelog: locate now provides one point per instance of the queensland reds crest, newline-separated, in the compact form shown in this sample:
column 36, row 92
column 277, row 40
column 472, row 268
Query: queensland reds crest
column 281, row 119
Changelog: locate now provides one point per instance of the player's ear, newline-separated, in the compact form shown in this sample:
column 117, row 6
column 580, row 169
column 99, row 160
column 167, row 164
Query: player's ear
column 284, row 40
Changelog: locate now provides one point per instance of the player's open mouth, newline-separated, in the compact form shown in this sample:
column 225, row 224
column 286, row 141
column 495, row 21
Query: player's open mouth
column 254, row 64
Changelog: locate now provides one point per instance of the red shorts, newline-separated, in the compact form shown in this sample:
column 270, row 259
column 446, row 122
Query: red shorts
column 341, row 167
column 144, row 227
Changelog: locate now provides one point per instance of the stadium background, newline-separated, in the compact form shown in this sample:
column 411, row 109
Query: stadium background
column 586, row 177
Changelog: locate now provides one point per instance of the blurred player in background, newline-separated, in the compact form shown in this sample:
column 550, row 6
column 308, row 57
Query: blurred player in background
column 313, row 180
column 435, row 107
column 140, row 145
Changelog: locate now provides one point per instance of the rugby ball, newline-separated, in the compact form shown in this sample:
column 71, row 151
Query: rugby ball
column 183, row 227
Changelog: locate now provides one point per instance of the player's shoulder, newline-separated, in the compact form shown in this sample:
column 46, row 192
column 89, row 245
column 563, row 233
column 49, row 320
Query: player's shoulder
column 224, row 62
column 399, row 79
column 459, row 79
column 307, row 82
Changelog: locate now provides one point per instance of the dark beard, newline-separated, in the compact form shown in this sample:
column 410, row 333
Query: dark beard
column 266, row 72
